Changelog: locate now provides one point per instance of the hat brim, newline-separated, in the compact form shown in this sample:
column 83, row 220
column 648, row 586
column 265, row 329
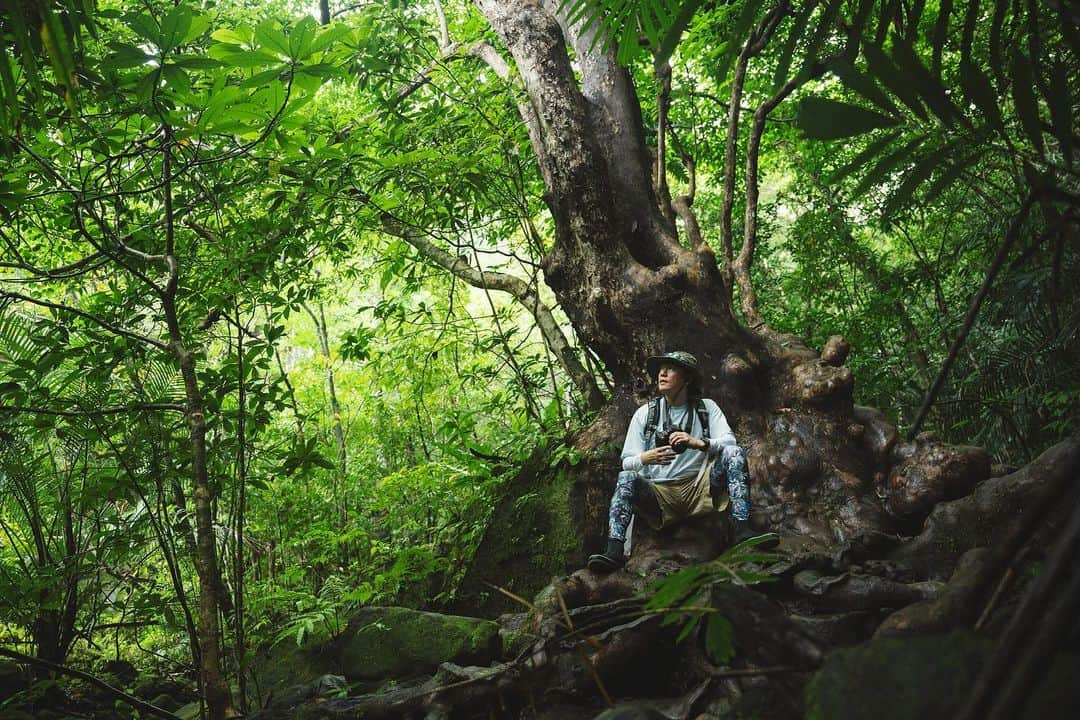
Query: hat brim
column 652, row 365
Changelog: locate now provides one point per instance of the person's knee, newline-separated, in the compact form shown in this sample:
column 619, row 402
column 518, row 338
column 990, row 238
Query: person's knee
column 624, row 485
column 733, row 454
column 645, row 497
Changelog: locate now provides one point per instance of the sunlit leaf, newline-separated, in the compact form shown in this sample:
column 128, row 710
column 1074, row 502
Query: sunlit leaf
column 300, row 38
column 270, row 37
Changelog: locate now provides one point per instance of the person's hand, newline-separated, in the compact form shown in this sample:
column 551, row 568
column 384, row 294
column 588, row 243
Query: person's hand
column 692, row 442
column 662, row 455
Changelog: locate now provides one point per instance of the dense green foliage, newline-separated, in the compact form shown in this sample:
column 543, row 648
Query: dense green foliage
column 222, row 177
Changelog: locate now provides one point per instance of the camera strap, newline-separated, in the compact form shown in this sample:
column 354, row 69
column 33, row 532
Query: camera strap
column 653, row 419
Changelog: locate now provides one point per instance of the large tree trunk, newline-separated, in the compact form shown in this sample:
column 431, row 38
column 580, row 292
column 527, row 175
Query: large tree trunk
column 818, row 467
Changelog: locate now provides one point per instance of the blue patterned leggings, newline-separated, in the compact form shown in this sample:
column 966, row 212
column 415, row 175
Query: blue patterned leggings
column 730, row 467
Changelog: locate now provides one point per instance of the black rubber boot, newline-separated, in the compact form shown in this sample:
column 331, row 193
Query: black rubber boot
column 609, row 560
column 742, row 531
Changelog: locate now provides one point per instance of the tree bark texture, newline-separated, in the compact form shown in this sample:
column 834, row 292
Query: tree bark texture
column 336, row 426
column 218, row 695
column 632, row 289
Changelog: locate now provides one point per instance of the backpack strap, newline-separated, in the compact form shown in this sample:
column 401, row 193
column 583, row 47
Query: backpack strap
column 653, row 420
column 703, row 416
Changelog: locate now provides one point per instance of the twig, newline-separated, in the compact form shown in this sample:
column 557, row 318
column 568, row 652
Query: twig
column 512, row 596
column 972, row 313
column 86, row 316
column 753, row 672
column 119, row 694
column 86, row 413
column 1038, row 627
column 581, row 651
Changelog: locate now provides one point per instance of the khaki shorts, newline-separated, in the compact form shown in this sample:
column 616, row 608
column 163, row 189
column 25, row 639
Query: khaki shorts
column 684, row 498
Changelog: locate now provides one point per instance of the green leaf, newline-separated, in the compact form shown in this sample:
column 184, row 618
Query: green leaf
column 858, row 23
column 196, row 62
column 886, row 165
column 690, row 626
column 199, row 25
column 328, row 37
column 300, row 38
column 7, row 79
column 861, row 84
column 915, row 177
column 1027, row 106
column 719, row 639
column 948, row 177
column 272, row 97
column 668, row 591
column 739, row 35
column 980, row 92
column 821, row 33
column 237, row 57
column 882, row 68
column 60, row 52
column 230, row 37
column 145, row 27
column 1059, row 101
column 787, row 50
column 176, row 78
column 270, row 37
column 174, row 27
column 825, row 119
column 24, row 49
column 123, row 55
column 674, row 32
column 929, row 88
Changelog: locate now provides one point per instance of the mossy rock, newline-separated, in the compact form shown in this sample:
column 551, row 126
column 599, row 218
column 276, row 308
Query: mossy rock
column 285, row 664
column 394, row 642
column 924, row 678
column 534, row 535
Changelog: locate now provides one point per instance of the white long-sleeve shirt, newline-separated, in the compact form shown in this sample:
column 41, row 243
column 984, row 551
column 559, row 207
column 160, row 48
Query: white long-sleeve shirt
column 686, row 464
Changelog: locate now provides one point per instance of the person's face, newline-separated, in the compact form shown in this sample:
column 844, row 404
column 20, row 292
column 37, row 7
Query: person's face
column 671, row 377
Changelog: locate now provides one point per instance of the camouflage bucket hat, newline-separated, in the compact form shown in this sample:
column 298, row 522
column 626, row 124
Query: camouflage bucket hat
column 679, row 357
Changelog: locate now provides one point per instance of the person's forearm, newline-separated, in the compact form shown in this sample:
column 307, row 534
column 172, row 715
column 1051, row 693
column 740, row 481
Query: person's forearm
column 632, row 463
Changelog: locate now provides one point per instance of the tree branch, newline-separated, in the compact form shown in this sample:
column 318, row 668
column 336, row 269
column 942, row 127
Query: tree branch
column 754, row 44
column 972, row 313
column 683, row 205
column 97, row 682
column 741, row 268
column 72, row 269
column 86, row 316
column 444, row 31
column 663, row 106
column 521, row 291
column 135, row 407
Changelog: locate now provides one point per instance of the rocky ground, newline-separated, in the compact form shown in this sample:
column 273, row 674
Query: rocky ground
column 973, row 617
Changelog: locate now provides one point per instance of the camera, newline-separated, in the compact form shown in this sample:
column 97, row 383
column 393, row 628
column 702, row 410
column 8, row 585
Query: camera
column 663, row 437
